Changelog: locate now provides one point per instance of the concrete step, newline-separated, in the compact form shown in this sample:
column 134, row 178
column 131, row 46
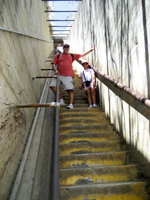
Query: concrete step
column 76, row 97
column 77, row 106
column 93, row 121
column 78, row 110
column 82, row 176
column 88, row 137
column 83, row 129
column 107, row 191
column 91, row 147
column 76, row 101
column 100, row 115
column 95, row 159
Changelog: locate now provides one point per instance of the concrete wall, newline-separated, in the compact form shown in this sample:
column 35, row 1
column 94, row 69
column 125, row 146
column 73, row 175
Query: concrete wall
column 120, row 31
column 21, row 57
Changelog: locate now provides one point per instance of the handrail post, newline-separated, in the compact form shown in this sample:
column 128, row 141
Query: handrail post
column 55, row 179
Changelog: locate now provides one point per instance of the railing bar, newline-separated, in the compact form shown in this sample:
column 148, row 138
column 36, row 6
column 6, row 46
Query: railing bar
column 24, row 158
column 133, row 99
column 139, row 97
column 19, row 33
column 52, row 104
column 55, row 180
column 33, row 77
column 61, row 11
column 46, row 69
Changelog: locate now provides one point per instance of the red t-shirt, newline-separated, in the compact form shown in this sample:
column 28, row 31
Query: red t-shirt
column 64, row 63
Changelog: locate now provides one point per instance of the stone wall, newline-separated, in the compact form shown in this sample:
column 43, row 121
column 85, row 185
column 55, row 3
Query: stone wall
column 120, row 31
column 21, row 57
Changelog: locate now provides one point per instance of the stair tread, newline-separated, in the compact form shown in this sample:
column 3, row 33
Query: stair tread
column 93, row 159
column 98, row 167
column 99, row 153
column 94, row 143
column 102, row 184
column 86, row 126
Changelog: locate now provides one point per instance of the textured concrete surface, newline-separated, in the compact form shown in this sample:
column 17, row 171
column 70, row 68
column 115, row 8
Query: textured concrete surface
column 119, row 30
column 94, row 161
column 21, row 57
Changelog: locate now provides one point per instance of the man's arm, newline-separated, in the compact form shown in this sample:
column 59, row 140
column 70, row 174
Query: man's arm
column 87, row 52
column 55, row 69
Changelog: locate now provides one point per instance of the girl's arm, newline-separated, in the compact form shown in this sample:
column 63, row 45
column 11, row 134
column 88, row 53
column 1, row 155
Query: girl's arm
column 94, row 80
column 80, row 83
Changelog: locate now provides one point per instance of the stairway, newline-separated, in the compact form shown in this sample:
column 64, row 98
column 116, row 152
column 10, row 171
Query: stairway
column 93, row 160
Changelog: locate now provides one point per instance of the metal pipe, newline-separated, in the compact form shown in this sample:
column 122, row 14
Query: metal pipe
column 59, row 30
column 52, row 104
column 61, row 11
column 46, row 69
column 61, row 0
column 60, row 26
column 61, row 20
column 33, row 77
column 17, row 32
column 24, row 158
column 55, row 180
column 138, row 102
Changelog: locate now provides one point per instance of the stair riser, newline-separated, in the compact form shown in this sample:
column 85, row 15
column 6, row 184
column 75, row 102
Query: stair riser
column 88, row 160
column 84, row 137
column 96, row 147
column 133, row 191
column 80, row 97
column 83, row 122
column 79, row 111
column 101, row 116
column 98, row 175
column 82, row 129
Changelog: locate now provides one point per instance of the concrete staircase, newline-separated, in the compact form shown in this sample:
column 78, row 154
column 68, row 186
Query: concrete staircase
column 94, row 163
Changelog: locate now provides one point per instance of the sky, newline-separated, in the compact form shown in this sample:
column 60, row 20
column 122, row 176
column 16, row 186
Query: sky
column 64, row 5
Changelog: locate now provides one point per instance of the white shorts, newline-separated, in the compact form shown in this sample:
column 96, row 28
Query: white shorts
column 90, row 86
column 67, row 82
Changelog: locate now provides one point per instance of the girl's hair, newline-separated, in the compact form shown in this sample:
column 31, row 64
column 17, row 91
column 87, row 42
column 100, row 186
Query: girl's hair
column 89, row 66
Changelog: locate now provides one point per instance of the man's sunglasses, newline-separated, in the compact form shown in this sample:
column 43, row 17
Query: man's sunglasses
column 66, row 46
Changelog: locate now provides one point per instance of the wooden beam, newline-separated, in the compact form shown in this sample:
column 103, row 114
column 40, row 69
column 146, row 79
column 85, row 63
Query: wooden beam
column 59, row 20
column 60, row 26
column 61, row 11
column 61, row 0
column 58, row 30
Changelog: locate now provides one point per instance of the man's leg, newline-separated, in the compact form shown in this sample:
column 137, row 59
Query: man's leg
column 71, row 99
column 71, row 96
column 68, row 84
column 54, row 90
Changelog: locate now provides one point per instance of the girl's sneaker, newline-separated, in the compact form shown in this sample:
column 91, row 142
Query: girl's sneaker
column 94, row 106
column 90, row 106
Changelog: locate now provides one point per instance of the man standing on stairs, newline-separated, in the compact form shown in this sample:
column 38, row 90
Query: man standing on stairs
column 62, row 65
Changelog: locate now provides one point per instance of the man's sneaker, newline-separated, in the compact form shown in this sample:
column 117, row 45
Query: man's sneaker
column 90, row 106
column 62, row 103
column 94, row 106
column 70, row 106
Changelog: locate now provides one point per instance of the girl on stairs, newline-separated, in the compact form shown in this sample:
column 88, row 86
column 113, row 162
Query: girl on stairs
column 87, row 78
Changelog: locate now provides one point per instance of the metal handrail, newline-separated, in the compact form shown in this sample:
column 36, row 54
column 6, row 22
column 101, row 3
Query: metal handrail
column 34, row 77
column 24, row 34
column 55, row 179
column 24, row 158
column 138, row 102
